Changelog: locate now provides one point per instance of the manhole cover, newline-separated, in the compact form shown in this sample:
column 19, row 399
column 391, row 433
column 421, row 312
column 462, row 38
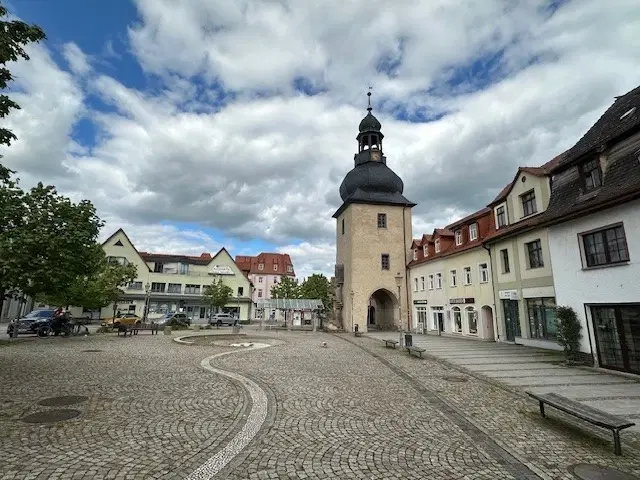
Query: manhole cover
column 599, row 472
column 91, row 351
column 62, row 401
column 455, row 379
column 51, row 416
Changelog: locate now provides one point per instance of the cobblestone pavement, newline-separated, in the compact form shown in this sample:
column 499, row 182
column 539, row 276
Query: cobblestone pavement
column 351, row 410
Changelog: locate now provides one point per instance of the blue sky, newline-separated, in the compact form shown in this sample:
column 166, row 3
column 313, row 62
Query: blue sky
column 201, row 124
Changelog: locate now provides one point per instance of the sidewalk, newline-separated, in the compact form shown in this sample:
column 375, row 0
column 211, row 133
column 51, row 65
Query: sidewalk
column 535, row 370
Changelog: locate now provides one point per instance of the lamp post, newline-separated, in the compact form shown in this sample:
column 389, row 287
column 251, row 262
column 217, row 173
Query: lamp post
column 147, row 291
column 399, row 279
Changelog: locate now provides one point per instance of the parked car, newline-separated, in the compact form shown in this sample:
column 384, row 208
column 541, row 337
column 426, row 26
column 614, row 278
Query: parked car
column 124, row 319
column 32, row 321
column 171, row 317
column 222, row 319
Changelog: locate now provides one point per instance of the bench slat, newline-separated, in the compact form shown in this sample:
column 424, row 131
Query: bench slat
column 585, row 412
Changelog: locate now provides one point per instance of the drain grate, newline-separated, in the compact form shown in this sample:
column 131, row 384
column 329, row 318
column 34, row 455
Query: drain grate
column 455, row 379
column 51, row 416
column 91, row 351
column 586, row 471
column 62, row 401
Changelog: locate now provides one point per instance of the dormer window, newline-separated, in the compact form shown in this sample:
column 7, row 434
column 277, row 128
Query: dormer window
column 458, row 237
column 591, row 174
column 437, row 242
column 425, row 250
column 473, row 231
column 261, row 266
column 501, row 216
column 415, row 253
column 275, row 267
column 528, row 203
column 289, row 268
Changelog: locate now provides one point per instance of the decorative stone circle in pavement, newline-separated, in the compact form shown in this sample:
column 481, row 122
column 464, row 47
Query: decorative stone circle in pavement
column 254, row 421
column 585, row 471
column 51, row 416
column 62, row 401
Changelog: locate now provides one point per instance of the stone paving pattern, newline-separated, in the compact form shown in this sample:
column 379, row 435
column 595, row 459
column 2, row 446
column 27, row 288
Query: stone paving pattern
column 537, row 370
column 352, row 410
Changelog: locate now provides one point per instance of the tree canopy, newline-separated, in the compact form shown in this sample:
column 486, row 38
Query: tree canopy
column 287, row 287
column 217, row 294
column 317, row 286
column 98, row 290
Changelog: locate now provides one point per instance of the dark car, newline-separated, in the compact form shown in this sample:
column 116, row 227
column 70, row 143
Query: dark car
column 32, row 321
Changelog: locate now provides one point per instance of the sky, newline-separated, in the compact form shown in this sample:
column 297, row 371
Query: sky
column 199, row 124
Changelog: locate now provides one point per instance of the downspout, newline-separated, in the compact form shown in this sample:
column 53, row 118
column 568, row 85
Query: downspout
column 495, row 300
column 406, row 269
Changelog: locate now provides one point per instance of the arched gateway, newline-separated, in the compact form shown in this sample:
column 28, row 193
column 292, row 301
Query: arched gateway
column 373, row 240
column 383, row 310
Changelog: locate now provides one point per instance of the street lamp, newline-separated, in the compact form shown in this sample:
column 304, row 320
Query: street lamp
column 399, row 279
column 147, row 291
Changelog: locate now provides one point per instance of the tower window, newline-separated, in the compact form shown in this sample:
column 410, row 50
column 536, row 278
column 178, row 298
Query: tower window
column 382, row 220
column 384, row 261
column 343, row 226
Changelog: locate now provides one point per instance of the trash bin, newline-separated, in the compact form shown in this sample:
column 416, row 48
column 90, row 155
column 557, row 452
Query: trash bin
column 408, row 340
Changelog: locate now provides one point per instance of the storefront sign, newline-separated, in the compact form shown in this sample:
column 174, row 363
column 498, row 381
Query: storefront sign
column 419, row 302
column 220, row 270
column 508, row 295
column 457, row 301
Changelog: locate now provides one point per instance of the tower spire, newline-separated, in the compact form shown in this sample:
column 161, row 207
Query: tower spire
column 369, row 95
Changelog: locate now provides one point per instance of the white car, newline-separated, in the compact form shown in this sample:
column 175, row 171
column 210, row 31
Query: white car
column 222, row 319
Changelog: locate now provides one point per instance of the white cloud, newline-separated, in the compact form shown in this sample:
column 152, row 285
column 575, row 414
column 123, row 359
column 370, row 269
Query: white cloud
column 77, row 60
column 268, row 163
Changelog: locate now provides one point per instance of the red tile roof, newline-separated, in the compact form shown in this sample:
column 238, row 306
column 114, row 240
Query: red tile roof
column 203, row 259
column 466, row 219
column 273, row 264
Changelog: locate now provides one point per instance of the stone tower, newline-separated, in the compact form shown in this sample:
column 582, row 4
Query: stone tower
column 373, row 239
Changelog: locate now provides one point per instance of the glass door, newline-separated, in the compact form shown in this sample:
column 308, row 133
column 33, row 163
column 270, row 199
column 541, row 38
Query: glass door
column 511, row 319
column 617, row 332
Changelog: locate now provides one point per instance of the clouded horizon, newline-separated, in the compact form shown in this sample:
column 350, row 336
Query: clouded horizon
column 202, row 124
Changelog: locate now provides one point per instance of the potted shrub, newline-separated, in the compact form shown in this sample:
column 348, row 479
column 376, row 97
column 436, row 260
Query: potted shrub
column 569, row 333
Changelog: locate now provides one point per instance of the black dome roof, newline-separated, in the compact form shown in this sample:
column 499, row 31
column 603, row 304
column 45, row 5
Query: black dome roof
column 369, row 122
column 374, row 177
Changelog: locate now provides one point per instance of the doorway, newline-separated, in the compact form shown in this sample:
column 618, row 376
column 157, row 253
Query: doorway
column 487, row 321
column 381, row 310
column 617, row 333
column 511, row 319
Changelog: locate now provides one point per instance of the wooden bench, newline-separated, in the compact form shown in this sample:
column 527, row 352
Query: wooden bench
column 417, row 350
column 134, row 329
column 390, row 343
column 152, row 327
column 586, row 413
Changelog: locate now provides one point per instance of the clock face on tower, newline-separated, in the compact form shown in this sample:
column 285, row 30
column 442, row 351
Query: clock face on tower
column 375, row 156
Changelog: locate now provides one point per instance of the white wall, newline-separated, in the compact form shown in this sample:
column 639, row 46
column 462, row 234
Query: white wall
column 576, row 286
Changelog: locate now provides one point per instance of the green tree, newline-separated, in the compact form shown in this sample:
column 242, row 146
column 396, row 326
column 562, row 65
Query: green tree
column 317, row 286
column 569, row 332
column 287, row 287
column 217, row 295
column 97, row 290
column 54, row 245
column 14, row 36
